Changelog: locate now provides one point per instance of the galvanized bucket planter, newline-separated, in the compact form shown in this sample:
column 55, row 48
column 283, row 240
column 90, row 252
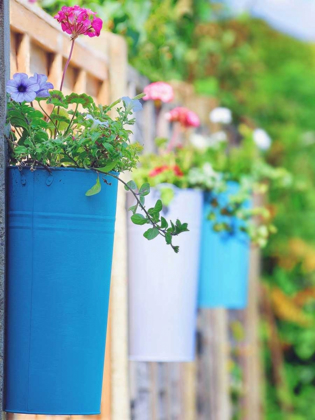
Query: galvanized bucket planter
column 60, row 246
column 224, row 262
column 163, row 285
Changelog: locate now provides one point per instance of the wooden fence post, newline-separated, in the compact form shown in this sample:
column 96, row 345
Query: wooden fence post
column 4, row 75
column 213, row 374
column 119, row 296
column 252, row 366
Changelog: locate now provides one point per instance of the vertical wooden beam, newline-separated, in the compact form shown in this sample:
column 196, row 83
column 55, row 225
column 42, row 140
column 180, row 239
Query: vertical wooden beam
column 213, row 375
column 55, row 70
column 4, row 75
column 119, row 296
column 80, row 82
column 24, row 54
column 252, row 364
column 189, row 396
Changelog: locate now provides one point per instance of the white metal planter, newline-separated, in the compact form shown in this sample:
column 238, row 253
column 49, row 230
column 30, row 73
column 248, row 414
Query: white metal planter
column 163, row 285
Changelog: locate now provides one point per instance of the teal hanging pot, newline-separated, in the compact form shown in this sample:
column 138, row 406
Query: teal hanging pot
column 60, row 246
column 224, row 260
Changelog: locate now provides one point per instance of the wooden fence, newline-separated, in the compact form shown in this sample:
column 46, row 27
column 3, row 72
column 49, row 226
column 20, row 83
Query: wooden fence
column 133, row 390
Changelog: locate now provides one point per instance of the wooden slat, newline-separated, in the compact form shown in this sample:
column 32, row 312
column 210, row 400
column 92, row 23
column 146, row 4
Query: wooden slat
column 24, row 54
column 55, row 69
column 252, row 364
column 213, row 375
column 80, row 82
column 13, row 52
column 119, row 342
column 189, row 388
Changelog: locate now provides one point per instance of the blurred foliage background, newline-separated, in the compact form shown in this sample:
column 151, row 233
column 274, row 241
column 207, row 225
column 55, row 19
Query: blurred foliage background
column 267, row 79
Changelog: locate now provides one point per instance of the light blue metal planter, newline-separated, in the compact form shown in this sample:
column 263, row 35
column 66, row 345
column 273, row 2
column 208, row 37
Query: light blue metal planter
column 60, row 246
column 224, row 262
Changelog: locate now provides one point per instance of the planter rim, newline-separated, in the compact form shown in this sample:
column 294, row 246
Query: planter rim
column 57, row 168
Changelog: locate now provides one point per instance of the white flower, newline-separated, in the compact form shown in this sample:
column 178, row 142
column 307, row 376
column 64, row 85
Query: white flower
column 202, row 142
column 262, row 139
column 205, row 177
column 210, row 172
column 131, row 104
column 199, row 141
column 96, row 122
column 218, row 137
column 221, row 115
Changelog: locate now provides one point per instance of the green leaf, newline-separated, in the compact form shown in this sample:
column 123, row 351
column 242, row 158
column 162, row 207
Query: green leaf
column 138, row 219
column 168, row 238
column 110, row 166
column 184, row 227
column 131, row 185
column 164, row 223
column 176, row 249
column 82, row 99
column 133, row 209
column 151, row 233
column 59, row 117
column 167, row 195
column 56, row 98
column 21, row 150
column 95, row 189
column 161, row 142
column 158, row 206
column 145, row 189
column 109, row 147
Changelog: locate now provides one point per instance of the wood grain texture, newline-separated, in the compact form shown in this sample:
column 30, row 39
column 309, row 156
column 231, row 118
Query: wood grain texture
column 252, row 364
column 120, row 401
column 213, row 375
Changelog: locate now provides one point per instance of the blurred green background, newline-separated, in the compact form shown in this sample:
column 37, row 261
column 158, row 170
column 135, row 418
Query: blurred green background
column 267, row 78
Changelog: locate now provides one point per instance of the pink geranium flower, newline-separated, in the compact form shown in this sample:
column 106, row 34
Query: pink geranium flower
column 159, row 92
column 77, row 21
column 184, row 116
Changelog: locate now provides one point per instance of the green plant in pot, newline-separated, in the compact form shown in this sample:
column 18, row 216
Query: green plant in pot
column 66, row 153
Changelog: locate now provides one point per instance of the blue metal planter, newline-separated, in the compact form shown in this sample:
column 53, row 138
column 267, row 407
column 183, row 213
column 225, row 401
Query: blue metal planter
column 224, row 262
column 60, row 246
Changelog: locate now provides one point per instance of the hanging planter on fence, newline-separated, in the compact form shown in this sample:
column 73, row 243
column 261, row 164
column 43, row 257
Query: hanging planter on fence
column 224, row 262
column 60, row 246
column 163, row 285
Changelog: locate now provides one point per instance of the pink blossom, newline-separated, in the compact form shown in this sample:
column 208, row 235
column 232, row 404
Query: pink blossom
column 160, row 169
column 184, row 116
column 159, row 91
column 77, row 21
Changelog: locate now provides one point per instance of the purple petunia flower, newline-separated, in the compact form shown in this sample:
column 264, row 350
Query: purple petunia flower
column 43, row 85
column 22, row 88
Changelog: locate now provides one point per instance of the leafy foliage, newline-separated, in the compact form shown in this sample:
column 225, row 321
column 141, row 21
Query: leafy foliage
column 77, row 133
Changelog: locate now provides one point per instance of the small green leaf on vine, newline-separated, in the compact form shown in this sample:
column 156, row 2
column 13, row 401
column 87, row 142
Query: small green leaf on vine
column 95, row 189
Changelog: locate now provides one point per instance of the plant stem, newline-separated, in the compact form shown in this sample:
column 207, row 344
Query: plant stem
column 48, row 116
column 70, row 123
column 38, row 162
column 174, row 138
column 67, row 64
column 70, row 157
column 161, row 231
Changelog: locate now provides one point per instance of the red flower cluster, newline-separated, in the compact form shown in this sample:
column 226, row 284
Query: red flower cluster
column 184, row 116
column 77, row 21
column 159, row 169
